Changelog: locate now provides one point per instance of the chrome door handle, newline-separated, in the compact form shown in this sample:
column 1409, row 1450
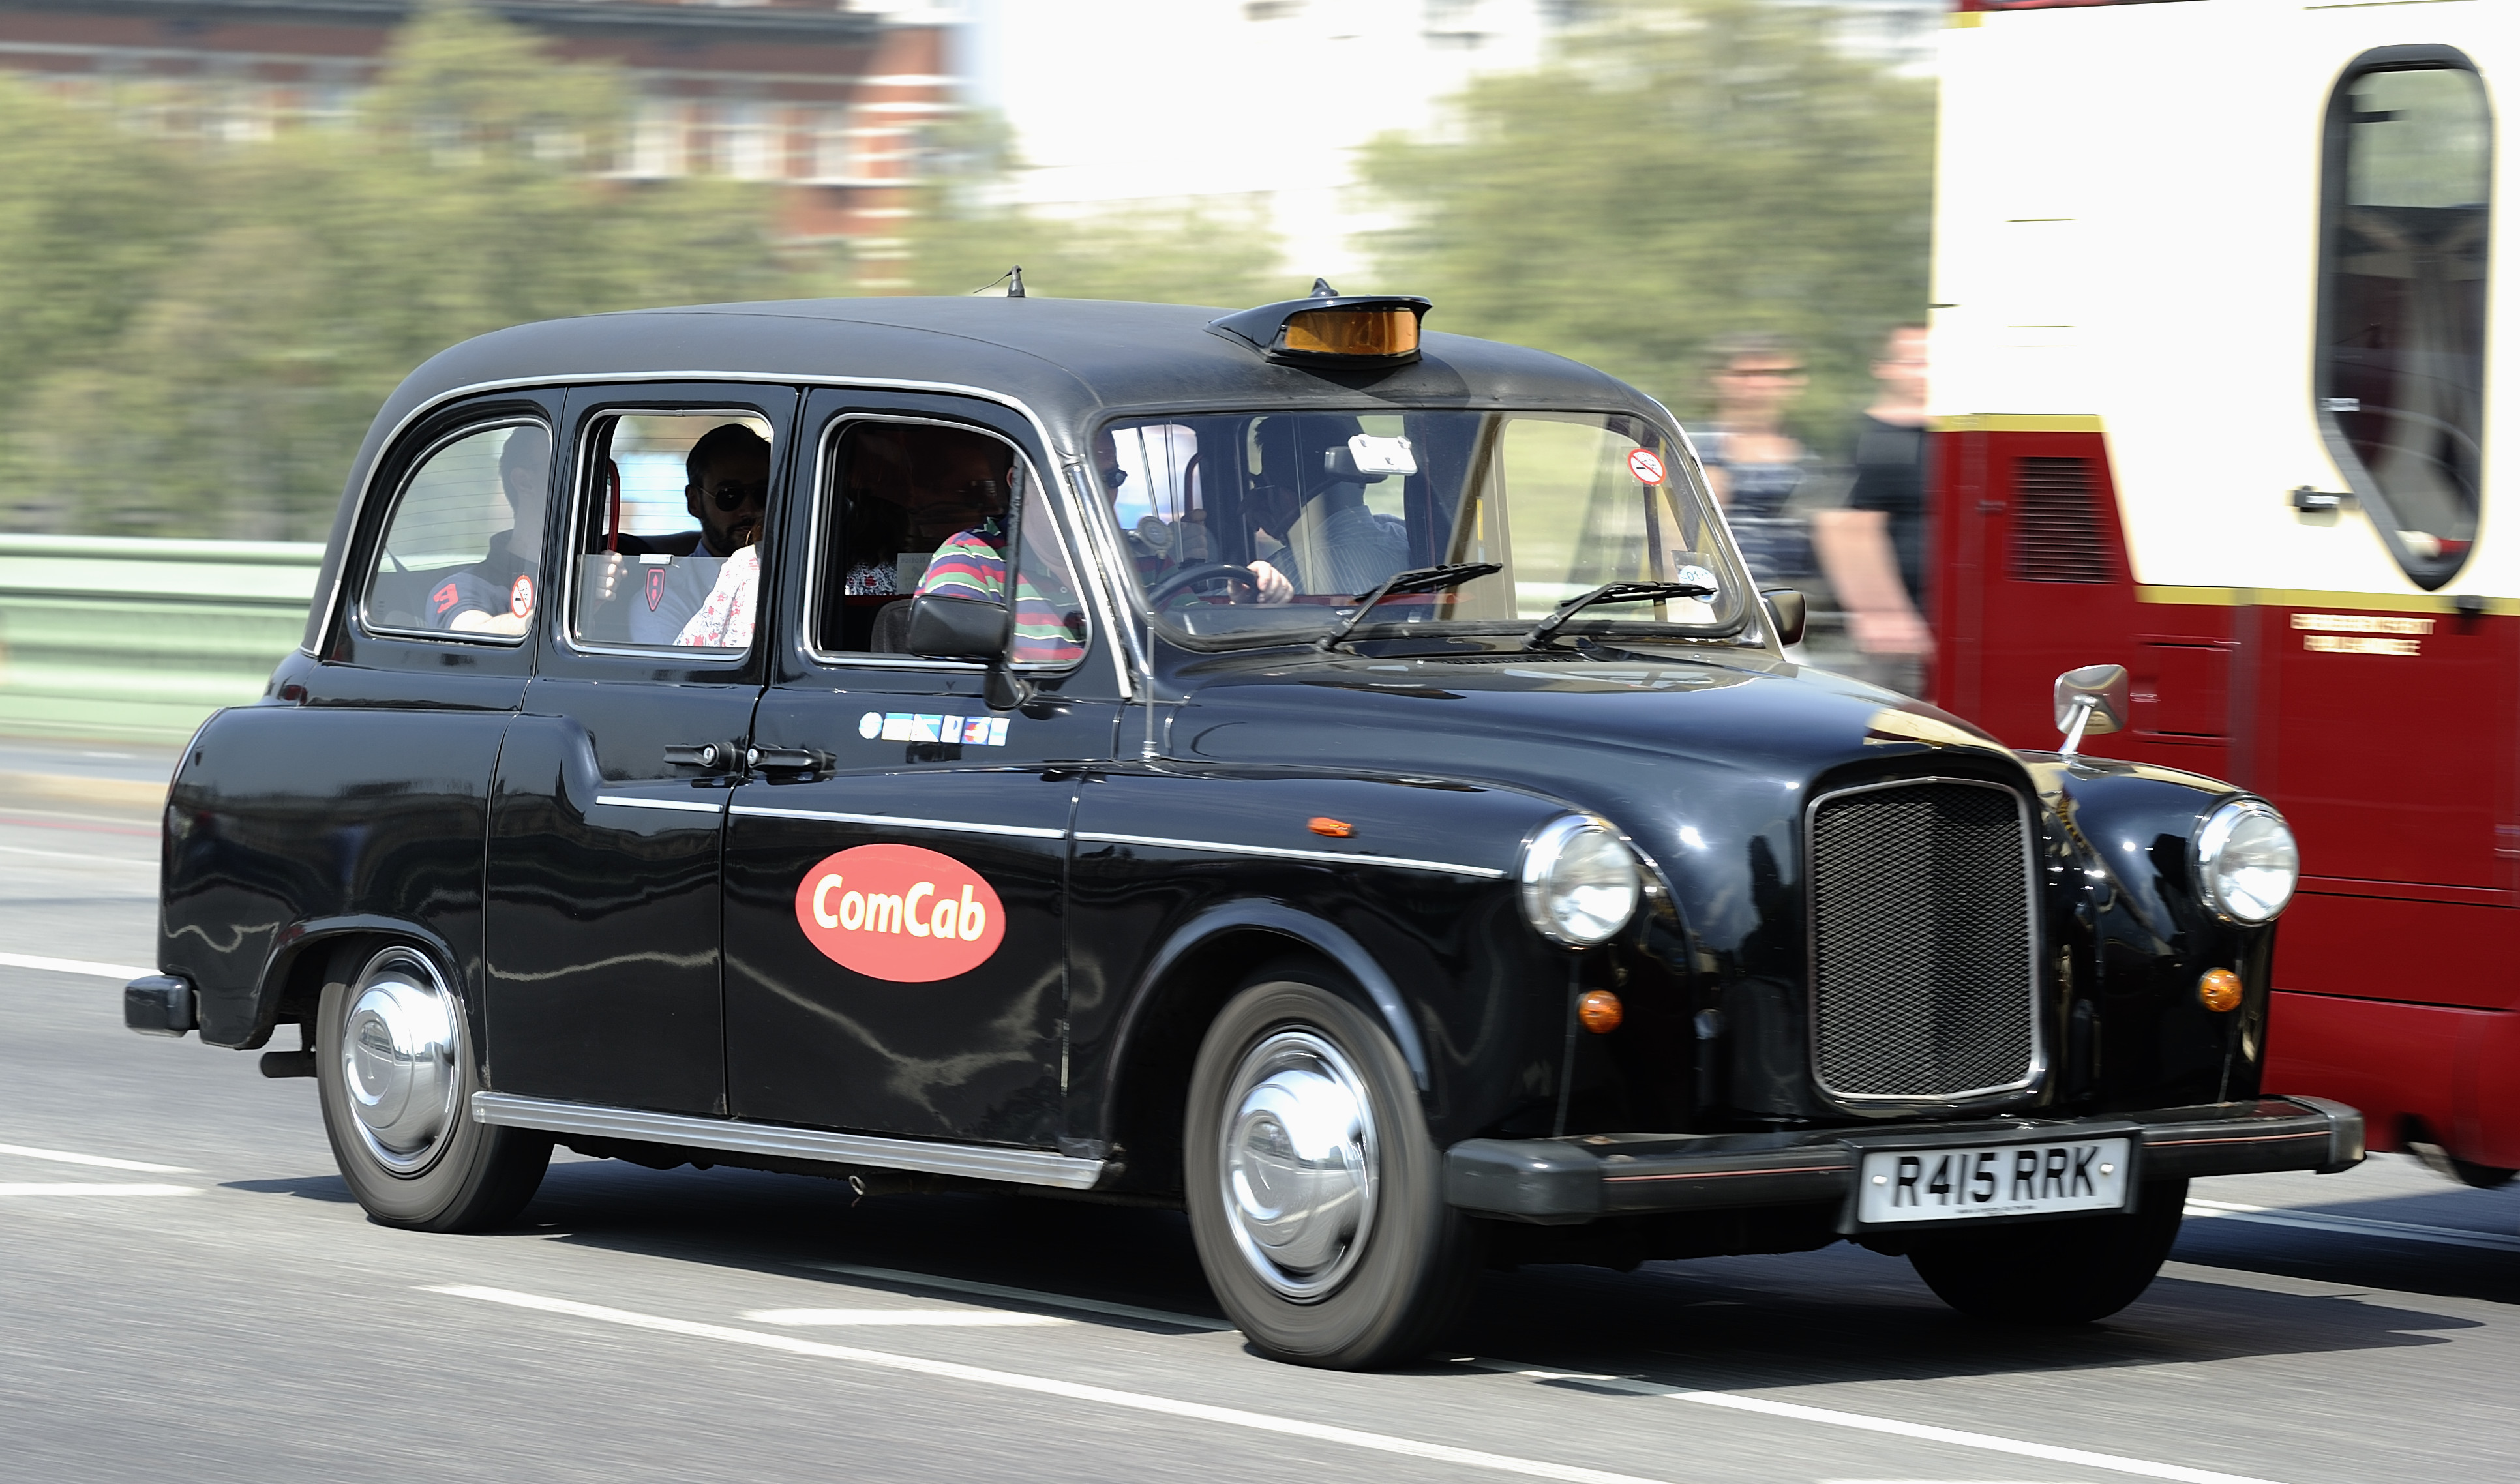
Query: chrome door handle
column 697, row 754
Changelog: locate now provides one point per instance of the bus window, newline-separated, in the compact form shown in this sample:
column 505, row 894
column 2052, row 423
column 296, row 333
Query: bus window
column 2400, row 374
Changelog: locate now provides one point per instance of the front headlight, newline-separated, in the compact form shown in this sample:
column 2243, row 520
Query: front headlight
column 2246, row 861
column 1580, row 881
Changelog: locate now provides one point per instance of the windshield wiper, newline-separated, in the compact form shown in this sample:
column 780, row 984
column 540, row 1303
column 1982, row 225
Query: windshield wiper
column 1425, row 579
column 1612, row 592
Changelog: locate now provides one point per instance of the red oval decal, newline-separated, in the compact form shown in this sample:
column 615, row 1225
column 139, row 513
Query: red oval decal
column 900, row 912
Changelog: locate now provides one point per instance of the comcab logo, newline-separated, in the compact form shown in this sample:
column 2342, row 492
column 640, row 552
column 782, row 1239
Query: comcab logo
column 900, row 912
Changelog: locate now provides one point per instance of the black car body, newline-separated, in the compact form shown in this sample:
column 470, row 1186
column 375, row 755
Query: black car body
column 1194, row 859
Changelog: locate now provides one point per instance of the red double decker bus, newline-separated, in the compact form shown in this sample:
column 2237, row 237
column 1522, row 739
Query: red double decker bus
column 2216, row 285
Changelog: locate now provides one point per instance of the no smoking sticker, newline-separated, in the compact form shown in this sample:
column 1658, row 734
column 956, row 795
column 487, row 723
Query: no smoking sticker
column 520, row 596
column 1645, row 465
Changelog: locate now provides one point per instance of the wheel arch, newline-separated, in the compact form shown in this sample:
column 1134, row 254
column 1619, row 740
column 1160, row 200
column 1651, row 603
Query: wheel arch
column 293, row 972
column 1188, row 982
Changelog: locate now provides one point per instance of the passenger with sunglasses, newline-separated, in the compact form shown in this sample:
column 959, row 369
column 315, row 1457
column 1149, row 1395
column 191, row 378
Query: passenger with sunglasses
column 729, row 485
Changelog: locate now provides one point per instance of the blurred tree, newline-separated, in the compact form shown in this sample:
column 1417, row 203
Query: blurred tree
column 1678, row 171
column 317, row 270
column 969, row 231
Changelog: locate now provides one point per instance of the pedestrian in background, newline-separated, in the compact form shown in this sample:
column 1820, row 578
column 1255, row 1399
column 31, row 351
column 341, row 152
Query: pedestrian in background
column 1753, row 465
column 1873, row 551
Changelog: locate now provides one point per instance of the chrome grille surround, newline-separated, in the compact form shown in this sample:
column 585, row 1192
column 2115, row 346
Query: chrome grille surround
column 1920, row 901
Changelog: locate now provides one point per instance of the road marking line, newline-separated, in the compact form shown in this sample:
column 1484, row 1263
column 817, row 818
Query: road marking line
column 2353, row 1226
column 73, row 967
column 1231, row 1417
column 1027, row 1296
column 65, row 855
column 944, row 1317
column 61, row 1157
column 99, row 1189
column 1921, row 1431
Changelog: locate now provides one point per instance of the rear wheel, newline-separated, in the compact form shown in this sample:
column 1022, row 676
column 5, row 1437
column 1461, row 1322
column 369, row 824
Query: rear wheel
column 2055, row 1272
column 396, row 1072
column 1315, row 1191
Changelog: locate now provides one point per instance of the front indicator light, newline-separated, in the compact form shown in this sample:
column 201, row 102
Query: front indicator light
column 1599, row 1010
column 1580, row 881
column 2246, row 861
column 2219, row 989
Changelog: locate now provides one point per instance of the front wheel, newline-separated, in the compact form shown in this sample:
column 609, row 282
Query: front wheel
column 1315, row 1189
column 397, row 1073
column 2068, row 1271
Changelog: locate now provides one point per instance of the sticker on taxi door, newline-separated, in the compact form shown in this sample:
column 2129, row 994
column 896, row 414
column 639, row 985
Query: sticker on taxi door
column 900, row 912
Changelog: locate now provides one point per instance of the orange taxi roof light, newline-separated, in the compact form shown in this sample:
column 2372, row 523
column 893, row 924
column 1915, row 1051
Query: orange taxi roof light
column 1350, row 331
column 1330, row 328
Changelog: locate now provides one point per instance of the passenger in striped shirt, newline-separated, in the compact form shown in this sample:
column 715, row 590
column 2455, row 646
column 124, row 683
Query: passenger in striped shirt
column 972, row 563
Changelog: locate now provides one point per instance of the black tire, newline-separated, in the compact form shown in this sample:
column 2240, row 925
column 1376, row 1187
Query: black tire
column 2483, row 1177
column 467, row 1176
column 2055, row 1272
column 1406, row 1272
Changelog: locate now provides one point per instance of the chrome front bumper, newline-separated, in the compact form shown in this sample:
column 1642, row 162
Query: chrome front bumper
column 1573, row 1180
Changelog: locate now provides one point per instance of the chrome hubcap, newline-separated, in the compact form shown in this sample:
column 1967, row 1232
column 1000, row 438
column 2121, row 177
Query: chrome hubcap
column 399, row 1047
column 1300, row 1165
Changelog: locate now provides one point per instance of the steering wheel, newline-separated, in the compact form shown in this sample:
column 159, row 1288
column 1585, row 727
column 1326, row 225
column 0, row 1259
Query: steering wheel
column 1205, row 572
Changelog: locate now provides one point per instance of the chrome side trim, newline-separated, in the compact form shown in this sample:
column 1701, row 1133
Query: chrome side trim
column 1282, row 852
column 978, row 1162
column 682, row 806
column 967, row 827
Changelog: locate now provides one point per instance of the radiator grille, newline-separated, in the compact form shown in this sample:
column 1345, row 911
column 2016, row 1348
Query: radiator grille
column 1922, row 969
column 2056, row 527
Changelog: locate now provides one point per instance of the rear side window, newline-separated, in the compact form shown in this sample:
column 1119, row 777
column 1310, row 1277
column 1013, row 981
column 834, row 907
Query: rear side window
column 462, row 552
column 668, row 553
column 2400, row 376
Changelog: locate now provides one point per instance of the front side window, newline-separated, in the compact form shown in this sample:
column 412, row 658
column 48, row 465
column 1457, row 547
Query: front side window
column 1269, row 528
column 670, row 540
column 917, row 506
column 462, row 551
column 2400, row 376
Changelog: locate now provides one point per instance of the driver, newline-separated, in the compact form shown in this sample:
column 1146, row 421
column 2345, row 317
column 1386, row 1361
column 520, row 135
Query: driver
column 1308, row 499
column 972, row 483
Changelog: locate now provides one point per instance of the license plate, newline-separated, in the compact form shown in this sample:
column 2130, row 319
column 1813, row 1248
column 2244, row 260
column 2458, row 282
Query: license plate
column 1970, row 1183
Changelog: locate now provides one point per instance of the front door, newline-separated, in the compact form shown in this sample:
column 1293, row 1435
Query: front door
column 896, row 863
column 608, row 809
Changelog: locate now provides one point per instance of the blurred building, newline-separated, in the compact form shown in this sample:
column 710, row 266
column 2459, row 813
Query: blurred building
column 824, row 97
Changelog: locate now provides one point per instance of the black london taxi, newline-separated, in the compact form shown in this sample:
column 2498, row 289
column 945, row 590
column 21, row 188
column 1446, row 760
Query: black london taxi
column 1336, row 778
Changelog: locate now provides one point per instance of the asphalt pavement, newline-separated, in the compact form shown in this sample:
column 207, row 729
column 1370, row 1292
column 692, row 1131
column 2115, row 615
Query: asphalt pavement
column 187, row 1292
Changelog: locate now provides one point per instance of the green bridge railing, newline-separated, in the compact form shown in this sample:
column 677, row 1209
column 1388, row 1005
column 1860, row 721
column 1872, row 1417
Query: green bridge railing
column 131, row 639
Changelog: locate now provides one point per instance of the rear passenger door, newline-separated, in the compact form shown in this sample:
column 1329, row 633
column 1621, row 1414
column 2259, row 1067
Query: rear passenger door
column 609, row 804
column 896, row 867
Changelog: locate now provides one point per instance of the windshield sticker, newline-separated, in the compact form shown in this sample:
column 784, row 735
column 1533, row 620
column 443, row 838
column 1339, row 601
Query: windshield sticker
column 1697, row 574
column 520, row 596
column 1645, row 465
column 655, row 587
column 921, row 726
column 900, row 912
column 1382, row 456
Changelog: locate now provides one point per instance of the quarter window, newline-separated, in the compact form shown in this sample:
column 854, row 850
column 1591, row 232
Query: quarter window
column 461, row 552
column 2401, row 375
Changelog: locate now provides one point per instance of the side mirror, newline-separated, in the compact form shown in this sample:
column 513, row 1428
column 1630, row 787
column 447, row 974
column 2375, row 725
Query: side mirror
column 1786, row 610
column 956, row 628
column 2093, row 700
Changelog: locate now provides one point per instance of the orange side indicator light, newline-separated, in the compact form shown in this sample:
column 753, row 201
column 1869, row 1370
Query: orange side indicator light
column 1599, row 1010
column 2219, row 989
column 1337, row 830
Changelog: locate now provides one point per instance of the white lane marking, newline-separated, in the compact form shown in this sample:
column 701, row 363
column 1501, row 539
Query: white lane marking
column 64, row 1156
column 73, row 967
column 1923, row 1432
column 1073, row 1391
column 943, row 1318
column 1026, row 1296
column 65, row 855
column 2353, row 1226
column 99, row 1189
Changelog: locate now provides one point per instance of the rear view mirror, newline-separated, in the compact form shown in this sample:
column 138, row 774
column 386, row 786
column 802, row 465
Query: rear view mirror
column 956, row 628
column 2093, row 700
column 1786, row 612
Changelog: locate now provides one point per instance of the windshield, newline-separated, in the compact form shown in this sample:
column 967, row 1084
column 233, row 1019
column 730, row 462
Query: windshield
column 1264, row 528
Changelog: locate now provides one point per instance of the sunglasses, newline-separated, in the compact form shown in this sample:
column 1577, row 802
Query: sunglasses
column 1113, row 478
column 732, row 495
